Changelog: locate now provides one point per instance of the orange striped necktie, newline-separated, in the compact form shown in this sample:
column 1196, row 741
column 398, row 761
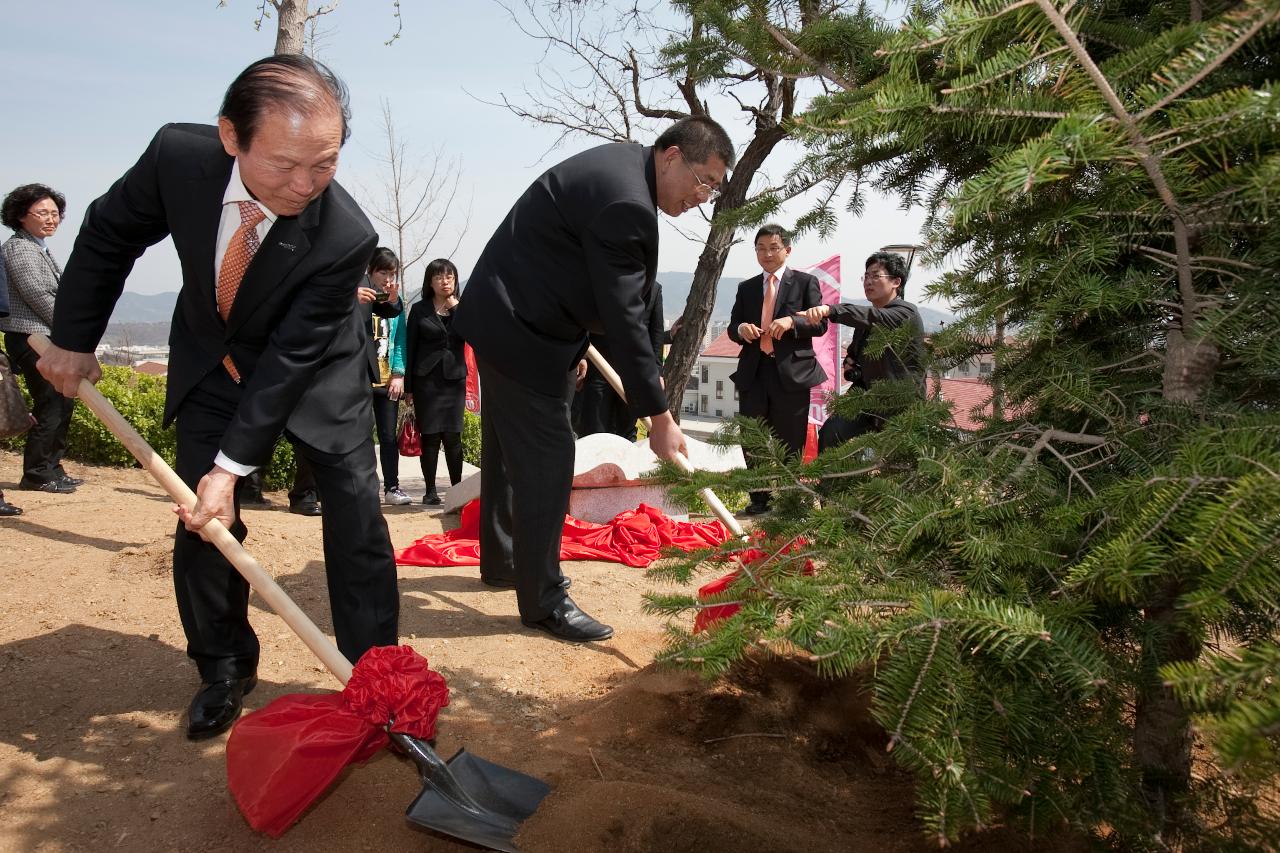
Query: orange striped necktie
column 240, row 251
column 766, row 314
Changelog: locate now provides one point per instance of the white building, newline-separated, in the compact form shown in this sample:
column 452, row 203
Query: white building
column 710, row 392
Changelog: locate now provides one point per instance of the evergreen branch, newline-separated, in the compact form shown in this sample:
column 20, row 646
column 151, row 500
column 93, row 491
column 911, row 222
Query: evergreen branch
column 915, row 688
column 993, row 111
column 790, row 47
column 1150, row 162
column 1222, row 55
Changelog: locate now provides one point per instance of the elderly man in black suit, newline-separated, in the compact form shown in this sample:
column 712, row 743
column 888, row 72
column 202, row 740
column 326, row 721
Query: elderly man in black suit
column 266, row 338
column 576, row 254
column 776, row 367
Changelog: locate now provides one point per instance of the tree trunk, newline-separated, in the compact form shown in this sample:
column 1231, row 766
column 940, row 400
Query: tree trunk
column 702, row 294
column 291, row 26
column 697, row 315
column 1162, row 727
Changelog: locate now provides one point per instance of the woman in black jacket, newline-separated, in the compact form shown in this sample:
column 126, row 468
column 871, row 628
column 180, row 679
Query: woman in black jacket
column 437, row 373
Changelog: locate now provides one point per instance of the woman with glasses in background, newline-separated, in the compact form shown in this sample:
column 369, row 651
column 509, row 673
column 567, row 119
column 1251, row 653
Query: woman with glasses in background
column 34, row 212
column 882, row 283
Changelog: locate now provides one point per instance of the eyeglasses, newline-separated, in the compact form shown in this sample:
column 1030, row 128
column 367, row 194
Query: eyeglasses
column 706, row 192
column 45, row 214
column 872, row 276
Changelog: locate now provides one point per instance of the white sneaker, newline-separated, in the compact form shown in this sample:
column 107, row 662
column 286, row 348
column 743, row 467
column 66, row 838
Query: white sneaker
column 395, row 497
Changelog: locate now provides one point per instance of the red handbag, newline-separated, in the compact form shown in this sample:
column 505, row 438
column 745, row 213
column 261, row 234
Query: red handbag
column 410, row 443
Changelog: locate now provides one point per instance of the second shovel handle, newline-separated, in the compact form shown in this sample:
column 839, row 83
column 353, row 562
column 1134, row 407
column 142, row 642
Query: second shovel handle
column 710, row 498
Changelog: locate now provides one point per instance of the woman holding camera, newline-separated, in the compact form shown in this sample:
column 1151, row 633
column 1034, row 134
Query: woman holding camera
column 379, row 297
column 437, row 373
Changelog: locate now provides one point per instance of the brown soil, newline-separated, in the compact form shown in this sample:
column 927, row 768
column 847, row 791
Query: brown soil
column 95, row 681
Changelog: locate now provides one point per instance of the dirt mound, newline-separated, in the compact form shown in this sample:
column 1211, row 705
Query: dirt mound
column 771, row 758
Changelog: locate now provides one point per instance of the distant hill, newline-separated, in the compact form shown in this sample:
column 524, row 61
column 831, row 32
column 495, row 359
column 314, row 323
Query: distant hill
column 158, row 307
column 675, row 293
column 145, row 307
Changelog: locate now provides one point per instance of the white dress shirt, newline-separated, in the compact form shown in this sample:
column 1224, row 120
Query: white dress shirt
column 227, row 225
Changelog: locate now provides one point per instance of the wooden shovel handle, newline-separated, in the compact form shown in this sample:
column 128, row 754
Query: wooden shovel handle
column 320, row 645
column 709, row 497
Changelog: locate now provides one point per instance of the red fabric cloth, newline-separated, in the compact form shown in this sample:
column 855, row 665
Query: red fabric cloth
column 281, row 758
column 708, row 616
column 635, row 538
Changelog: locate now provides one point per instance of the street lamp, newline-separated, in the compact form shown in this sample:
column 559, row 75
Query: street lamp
column 907, row 250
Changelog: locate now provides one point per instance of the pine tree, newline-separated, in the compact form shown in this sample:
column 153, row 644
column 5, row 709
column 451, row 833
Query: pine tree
column 1045, row 604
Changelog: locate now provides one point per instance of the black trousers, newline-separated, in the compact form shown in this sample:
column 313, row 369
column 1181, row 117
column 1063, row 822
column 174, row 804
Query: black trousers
column 213, row 600
column 602, row 410
column 46, row 442
column 526, row 474
column 385, row 412
column 430, row 458
column 836, row 430
column 784, row 410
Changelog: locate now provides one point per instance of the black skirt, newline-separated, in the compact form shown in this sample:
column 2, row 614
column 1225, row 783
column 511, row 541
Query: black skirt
column 438, row 403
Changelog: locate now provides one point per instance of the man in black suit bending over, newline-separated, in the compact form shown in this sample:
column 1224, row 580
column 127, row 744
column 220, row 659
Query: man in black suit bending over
column 776, row 367
column 266, row 338
column 576, row 254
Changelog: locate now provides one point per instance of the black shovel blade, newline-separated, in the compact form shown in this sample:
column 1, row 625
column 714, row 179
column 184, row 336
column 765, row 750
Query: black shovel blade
column 470, row 798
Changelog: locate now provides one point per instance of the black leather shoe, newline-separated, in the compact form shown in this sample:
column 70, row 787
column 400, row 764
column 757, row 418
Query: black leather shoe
column 56, row 487
column 8, row 510
column 216, row 706
column 756, row 509
column 68, row 480
column 510, row 583
column 431, row 499
column 308, row 504
column 568, row 622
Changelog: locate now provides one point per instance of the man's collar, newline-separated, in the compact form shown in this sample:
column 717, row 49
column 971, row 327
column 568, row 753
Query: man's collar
column 237, row 192
column 782, row 271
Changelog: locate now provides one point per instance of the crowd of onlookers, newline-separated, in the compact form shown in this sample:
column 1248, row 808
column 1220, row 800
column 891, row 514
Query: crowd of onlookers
column 418, row 358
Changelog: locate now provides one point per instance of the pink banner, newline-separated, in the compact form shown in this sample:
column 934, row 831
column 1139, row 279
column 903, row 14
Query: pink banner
column 826, row 349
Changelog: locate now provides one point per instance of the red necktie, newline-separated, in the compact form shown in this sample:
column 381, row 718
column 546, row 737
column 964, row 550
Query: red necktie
column 240, row 251
column 766, row 315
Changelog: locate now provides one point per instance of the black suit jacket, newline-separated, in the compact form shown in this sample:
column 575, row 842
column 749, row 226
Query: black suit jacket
column 430, row 343
column 576, row 254
column 385, row 310
column 294, row 332
column 889, row 364
column 797, row 366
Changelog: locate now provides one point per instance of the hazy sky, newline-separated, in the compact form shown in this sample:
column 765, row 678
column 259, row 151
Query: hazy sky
column 89, row 82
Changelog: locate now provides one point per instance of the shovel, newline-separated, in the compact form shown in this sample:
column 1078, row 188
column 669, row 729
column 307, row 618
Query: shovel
column 709, row 497
column 466, row 796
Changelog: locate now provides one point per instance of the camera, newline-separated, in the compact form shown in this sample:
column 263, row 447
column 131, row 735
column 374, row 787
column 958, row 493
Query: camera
column 381, row 295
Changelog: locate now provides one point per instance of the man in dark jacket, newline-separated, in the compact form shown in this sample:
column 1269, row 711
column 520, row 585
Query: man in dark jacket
column 882, row 282
column 265, row 338
column 576, row 254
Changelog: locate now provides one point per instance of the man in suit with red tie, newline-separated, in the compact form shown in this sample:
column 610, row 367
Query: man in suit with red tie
column 265, row 339
column 776, row 367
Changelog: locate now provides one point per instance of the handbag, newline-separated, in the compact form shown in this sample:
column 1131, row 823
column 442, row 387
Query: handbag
column 409, row 442
column 15, row 417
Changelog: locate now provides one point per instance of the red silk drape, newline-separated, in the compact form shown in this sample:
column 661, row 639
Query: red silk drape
column 635, row 538
column 281, row 758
